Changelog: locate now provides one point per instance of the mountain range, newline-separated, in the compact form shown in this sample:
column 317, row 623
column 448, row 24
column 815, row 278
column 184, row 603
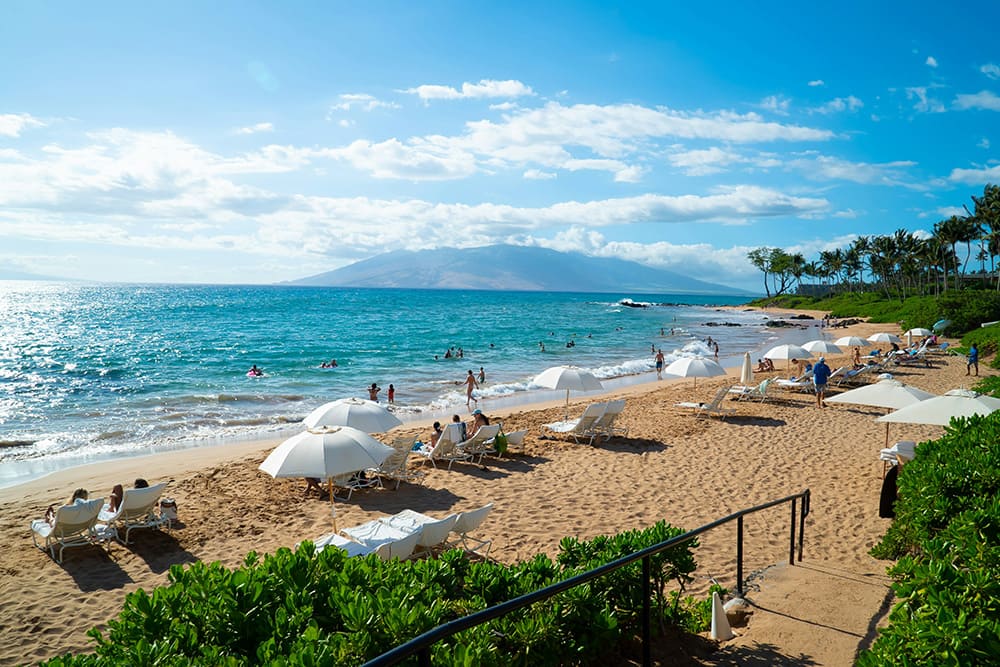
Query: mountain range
column 508, row 267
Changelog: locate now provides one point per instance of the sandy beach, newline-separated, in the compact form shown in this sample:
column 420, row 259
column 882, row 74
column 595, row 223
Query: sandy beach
column 671, row 466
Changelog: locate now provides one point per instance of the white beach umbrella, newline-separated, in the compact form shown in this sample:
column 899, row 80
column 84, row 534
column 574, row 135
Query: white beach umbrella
column 851, row 341
column 888, row 393
column 746, row 370
column 919, row 331
column 364, row 415
column 940, row 409
column 694, row 367
column 340, row 450
column 569, row 378
column 787, row 352
column 822, row 347
column 884, row 337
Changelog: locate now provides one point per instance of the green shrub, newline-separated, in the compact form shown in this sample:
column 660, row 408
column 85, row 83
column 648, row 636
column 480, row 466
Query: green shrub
column 947, row 536
column 309, row 608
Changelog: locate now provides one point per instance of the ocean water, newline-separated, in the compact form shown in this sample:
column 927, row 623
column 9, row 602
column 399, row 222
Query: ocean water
column 96, row 371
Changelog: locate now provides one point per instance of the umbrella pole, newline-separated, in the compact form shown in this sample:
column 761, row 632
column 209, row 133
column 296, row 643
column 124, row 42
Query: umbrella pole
column 566, row 411
column 333, row 508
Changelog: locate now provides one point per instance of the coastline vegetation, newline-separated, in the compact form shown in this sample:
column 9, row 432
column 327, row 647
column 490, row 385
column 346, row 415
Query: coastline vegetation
column 323, row 608
column 946, row 535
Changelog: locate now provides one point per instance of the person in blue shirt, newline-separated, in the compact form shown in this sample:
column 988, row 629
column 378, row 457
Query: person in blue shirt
column 821, row 375
column 973, row 360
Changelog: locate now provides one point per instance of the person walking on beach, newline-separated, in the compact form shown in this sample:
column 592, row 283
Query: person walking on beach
column 659, row 364
column 821, row 375
column 715, row 346
column 470, row 384
column 391, row 395
column 973, row 360
column 373, row 392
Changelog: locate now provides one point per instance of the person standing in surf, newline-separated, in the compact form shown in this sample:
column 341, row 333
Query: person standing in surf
column 470, row 384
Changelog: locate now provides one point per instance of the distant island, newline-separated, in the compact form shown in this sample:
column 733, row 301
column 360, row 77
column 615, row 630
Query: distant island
column 508, row 267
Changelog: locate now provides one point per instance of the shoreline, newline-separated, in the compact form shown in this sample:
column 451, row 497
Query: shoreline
column 530, row 400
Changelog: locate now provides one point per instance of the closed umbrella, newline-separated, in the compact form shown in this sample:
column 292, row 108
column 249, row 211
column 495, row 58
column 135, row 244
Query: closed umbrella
column 340, row 450
column 364, row 415
column 746, row 371
column 888, row 393
column 694, row 367
column 851, row 341
column 941, row 409
column 569, row 378
column 822, row 347
column 787, row 352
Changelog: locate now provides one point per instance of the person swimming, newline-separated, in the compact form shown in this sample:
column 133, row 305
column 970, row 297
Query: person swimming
column 255, row 372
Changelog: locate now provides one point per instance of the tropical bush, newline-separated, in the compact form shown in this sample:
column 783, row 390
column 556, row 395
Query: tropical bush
column 966, row 309
column 307, row 608
column 947, row 536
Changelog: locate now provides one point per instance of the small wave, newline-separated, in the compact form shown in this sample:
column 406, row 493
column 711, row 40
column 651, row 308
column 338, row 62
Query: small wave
column 111, row 435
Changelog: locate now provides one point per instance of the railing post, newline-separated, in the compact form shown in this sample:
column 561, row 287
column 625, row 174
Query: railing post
column 802, row 521
column 424, row 657
column 791, row 539
column 646, row 660
column 739, row 556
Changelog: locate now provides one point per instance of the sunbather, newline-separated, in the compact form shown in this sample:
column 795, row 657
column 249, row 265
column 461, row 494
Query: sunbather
column 80, row 495
column 119, row 491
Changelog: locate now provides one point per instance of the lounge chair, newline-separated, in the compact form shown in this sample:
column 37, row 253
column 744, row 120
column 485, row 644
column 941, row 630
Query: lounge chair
column 710, row 409
column 582, row 426
column 351, row 547
column 516, row 438
column 464, row 525
column 376, row 534
column 355, row 481
column 136, row 509
column 605, row 424
column 446, row 448
column 397, row 466
column 74, row 526
column 481, row 443
column 757, row 392
column 433, row 533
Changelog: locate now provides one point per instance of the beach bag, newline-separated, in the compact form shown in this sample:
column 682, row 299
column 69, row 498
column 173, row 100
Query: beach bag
column 168, row 508
column 500, row 442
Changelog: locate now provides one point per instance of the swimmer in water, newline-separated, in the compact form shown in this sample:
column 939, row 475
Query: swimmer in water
column 254, row 371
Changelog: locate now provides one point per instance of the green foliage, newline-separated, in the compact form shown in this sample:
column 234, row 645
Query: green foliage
column 309, row 608
column 987, row 339
column 947, row 536
column 966, row 309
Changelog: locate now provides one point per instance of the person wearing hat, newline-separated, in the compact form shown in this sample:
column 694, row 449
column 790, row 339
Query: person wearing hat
column 821, row 375
column 478, row 420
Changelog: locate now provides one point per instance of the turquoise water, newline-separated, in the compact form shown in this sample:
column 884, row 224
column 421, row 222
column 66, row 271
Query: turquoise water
column 91, row 371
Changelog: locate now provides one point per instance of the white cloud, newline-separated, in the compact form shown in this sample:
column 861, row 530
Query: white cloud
column 824, row 167
column 948, row 211
column 775, row 104
column 931, row 61
column 539, row 175
column 254, row 129
column 983, row 143
column 976, row 176
column 924, row 103
column 503, row 106
column 839, row 104
column 12, row 124
column 991, row 70
column 605, row 138
column 984, row 100
column 816, row 83
column 345, row 122
column 704, row 162
column 360, row 102
column 485, row 88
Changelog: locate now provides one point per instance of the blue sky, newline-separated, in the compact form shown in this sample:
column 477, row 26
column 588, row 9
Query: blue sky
column 259, row 142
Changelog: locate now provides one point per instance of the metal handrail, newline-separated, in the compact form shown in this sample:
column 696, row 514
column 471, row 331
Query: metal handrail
column 421, row 644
